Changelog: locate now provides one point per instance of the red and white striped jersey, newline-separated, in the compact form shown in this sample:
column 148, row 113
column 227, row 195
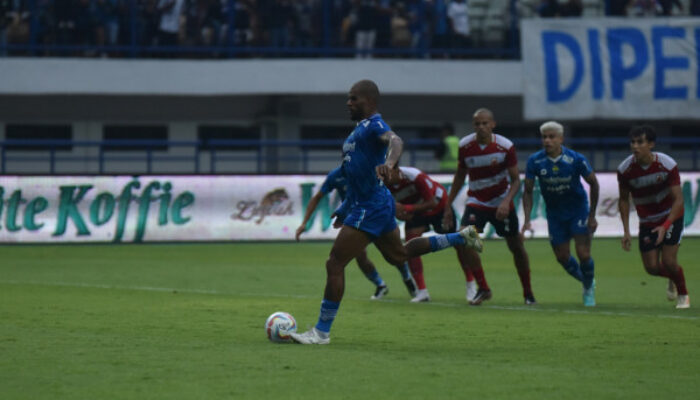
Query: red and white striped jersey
column 650, row 186
column 487, row 169
column 416, row 187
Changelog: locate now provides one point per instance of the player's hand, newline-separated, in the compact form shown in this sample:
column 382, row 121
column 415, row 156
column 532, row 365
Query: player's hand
column 383, row 172
column 592, row 224
column 447, row 219
column 503, row 210
column 626, row 242
column 527, row 227
column 660, row 233
column 337, row 222
column 300, row 230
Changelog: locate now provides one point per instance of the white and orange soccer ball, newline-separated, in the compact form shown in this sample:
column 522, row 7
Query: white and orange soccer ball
column 279, row 325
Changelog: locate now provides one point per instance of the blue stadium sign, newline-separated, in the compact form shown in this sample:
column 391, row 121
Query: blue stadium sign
column 611, row 68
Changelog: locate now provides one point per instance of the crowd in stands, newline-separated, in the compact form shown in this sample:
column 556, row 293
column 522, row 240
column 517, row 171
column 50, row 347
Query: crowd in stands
column 282, row 27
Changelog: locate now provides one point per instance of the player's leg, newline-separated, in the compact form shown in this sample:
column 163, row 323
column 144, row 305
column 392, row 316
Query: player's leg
column 508, row 229
column 370, row 271
column 583, row 252
column 669, row 260
column 470, row 259
column 669, row 257
column 349, row 243
column 413, row 231
column 560, row 239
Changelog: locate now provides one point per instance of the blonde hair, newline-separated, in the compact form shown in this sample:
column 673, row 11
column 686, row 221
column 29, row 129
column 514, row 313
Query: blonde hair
column 552, row 126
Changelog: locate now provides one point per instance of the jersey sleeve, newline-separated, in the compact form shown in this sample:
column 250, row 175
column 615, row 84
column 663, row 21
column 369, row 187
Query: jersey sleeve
column 425, row 187
column 328, row 185
column 379, row 127
column 511, row 157
column 582, row 166
column 674, row 178
column 622, row 181
column 530, row 172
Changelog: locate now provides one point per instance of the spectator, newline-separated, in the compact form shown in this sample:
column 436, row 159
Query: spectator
column 365, row 28
column 642, row 8
column 203, row 22
column 169, row 26
column 548, row 9
column 418, row 12
column 15, row 25
column 695, row 7
column 618, row 8
column 305, row 12
column 441, row 25
column 459, row 22
column 105, row 13
column 572, row 8
column 384, row 15
column 400, row 34
column 667, row 6
column 281, row 19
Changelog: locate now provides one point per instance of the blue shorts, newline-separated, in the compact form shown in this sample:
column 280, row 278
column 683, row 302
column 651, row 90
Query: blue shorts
column 374, row 218
column 563, row 230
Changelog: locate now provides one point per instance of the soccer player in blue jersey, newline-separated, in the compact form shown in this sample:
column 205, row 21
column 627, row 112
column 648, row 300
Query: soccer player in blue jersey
column 367, row 214
column 559, row 171
column 335, row 180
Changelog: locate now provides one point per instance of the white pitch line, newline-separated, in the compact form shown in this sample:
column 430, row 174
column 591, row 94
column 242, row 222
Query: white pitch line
column 432, row 303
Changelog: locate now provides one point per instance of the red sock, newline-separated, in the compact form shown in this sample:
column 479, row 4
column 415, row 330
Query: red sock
column 663, row 271
column 524, row 275
column 476, row 272
column 416, row 266
column 679, row 279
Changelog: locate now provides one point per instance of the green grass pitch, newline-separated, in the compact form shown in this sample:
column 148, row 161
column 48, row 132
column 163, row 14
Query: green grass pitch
column 186, row 322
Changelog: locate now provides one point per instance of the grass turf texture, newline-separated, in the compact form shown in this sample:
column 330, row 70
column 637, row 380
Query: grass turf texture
column 186, row 322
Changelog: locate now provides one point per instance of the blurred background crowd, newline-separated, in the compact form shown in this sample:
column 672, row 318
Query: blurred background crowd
column 252, row 28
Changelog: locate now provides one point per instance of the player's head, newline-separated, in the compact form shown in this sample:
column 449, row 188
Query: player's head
column 642, row 141
column 483, row 122
column 363, row 99
column 552, row 134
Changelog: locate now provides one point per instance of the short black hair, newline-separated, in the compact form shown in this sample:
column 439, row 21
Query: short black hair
column 647, row 131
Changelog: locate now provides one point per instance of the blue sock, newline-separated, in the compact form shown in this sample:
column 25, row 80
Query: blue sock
column 573, row 269
column 587, row 269
column 375, row 278
column 328, row 311
column 405, row 271
column 439, row 242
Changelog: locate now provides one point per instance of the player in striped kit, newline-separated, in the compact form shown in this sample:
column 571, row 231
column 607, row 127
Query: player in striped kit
column 421, row 202
column 492, row 165
column 653, row 181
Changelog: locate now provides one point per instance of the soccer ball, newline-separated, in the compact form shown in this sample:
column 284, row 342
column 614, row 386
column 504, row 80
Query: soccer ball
column 279, row 325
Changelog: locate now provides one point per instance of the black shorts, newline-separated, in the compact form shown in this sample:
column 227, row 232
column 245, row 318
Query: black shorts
column 647, row 238
column 504, row 228
column 433, row 222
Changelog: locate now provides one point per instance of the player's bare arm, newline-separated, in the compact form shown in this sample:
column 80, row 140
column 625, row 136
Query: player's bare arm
column 527, row 205
column 594, row 194
column 623, row 205
column 504, row 208
column 676, row 212
column 313, row 203
column 393, row 153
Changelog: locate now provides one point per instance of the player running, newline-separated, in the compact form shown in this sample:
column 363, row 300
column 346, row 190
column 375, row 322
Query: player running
column 559, row 171
column 421, row 202
column 492, row 165
column 368, row 213
column 336, row 181
column 653, row 181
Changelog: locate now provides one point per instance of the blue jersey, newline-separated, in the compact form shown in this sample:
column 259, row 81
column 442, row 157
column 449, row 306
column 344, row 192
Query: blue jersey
column 560, row 182
column 335, row 181
column 363, row 151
